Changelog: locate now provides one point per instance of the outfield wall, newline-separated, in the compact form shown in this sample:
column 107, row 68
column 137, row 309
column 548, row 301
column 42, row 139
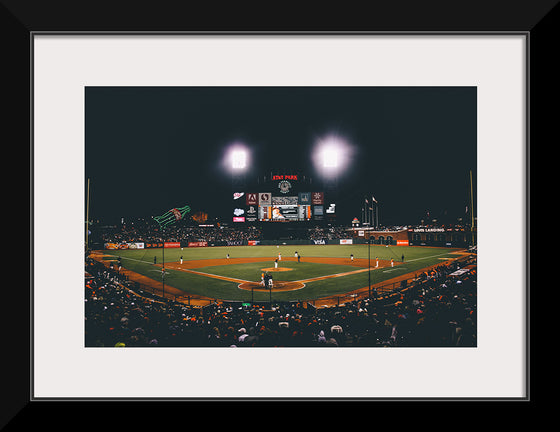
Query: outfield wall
column 190, row 244
column 402, row 238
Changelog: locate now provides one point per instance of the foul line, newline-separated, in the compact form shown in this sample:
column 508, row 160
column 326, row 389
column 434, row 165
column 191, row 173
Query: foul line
column 304, row 281
column 226, row 278
column 332, row 276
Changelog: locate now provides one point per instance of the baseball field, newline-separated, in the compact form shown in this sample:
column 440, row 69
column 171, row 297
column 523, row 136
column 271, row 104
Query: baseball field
column 321, row 271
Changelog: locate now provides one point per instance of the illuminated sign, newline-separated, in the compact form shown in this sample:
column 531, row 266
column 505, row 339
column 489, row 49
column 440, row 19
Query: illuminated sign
column 304, row 198
column 317, row 198
column 265, row 199
column 252, row 199
column 284, row 177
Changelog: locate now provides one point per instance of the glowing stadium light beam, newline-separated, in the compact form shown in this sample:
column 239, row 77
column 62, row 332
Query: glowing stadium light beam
column 239, row 159
column 330, row 157
column 332, row 154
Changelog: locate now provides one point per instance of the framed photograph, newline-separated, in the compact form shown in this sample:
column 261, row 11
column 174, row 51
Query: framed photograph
column 84, row 78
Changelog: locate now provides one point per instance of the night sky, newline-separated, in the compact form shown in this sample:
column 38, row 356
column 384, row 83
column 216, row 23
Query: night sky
column 149, row 149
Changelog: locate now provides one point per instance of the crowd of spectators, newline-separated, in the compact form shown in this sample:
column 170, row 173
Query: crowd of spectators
column 142, row 232
column 439, row 310
column 328, row 233
column 146, row 230
column 150, row 233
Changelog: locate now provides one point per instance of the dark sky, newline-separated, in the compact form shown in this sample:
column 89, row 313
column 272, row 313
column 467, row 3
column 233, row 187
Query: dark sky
column 149, row 149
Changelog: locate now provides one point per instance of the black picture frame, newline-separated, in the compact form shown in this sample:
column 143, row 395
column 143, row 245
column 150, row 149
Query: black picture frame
column 20, row 20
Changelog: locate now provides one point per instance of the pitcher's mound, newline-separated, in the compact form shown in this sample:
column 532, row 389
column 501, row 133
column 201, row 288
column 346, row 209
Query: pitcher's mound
column 279, row 269
column 276, row 286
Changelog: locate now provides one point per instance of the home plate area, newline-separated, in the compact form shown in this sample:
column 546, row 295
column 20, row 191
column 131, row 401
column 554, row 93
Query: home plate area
column 276, row 286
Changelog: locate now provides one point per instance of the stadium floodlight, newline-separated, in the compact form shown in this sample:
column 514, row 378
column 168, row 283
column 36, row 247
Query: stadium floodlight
column 239, row 159
column 236, row 158
column 331, row 155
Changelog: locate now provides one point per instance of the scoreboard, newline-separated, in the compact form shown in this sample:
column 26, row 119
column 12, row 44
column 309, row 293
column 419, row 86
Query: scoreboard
column 283, row 198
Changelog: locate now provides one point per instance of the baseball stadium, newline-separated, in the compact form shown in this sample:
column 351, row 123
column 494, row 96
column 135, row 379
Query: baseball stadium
column 294, row 257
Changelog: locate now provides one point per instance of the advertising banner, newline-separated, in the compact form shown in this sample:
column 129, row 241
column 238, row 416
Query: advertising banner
column 198, row 244
column 238, row 212
column 251, row 214
column 253, row 242
column 172, row 245
column 318, row 212
column 239, row 218
column 284, row 200
column 317, row 198
column 115, row 246
column 346, row 241
column 304, row 198
column 402, row 242
column 265, row 199
column 251, row 199
column 319, row 242
column 154, row 245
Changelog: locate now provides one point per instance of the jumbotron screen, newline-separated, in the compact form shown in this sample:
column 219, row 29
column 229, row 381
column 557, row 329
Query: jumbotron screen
column 285, row 200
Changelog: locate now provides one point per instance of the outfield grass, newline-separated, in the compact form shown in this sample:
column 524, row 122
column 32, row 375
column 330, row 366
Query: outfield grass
column 142, row 260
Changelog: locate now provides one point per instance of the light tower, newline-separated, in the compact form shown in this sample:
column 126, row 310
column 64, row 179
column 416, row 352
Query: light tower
column 331, row 158
column 237, row 162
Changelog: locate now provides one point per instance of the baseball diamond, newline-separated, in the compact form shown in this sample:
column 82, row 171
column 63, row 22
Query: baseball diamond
column 221, row 278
